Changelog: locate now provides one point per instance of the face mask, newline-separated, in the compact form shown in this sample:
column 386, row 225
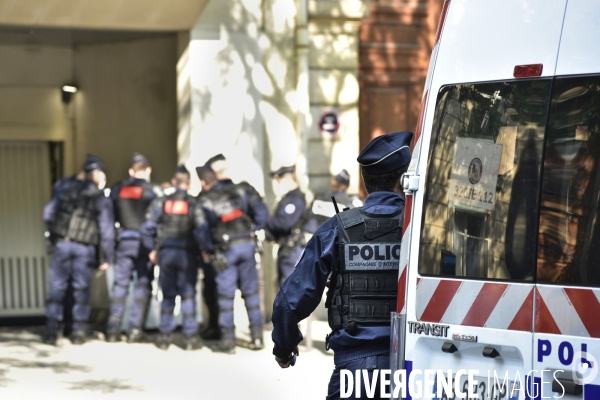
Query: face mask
column 102, row 183
column 281, row 188
column 101, row 179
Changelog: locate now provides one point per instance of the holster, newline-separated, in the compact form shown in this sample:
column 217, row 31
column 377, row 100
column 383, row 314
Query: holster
column 218, row 261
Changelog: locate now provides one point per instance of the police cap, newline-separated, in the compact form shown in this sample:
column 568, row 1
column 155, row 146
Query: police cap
column 203, row 170
column 218, row 157
column 386, row 153
column 139, row 158
column 282, row 171
column 181, row 169
column 343, row 178
column 93, row 163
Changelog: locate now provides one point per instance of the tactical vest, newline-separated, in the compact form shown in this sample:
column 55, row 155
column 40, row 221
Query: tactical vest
column 363, row 289
column 227, row 204
column 177, row 220
column 132, row 203
column 77, row 217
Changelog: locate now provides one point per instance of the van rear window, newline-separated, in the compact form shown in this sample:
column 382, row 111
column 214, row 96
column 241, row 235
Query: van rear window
column 569, row 224
column 483, row 177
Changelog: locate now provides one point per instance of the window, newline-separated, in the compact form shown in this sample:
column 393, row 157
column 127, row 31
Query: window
column 483, row 177
column 569, row 228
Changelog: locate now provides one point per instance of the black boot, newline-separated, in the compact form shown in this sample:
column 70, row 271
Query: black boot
column 113, row 335
column 78, row 337
column 164, row 340
column 50, row 337
column 226, row 346
column 134, row 335
column 211, row 333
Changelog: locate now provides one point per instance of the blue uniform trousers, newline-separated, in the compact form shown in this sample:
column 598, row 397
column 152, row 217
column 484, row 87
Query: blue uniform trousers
column 130, row 256
column 287, row 262
column 365, row 363
column 241, row 272
column 75, row 262
column 178, row 276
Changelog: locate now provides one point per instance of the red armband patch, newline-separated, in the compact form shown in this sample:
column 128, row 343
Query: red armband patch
column 177, row 207
column 131, row 192
column 231, row 215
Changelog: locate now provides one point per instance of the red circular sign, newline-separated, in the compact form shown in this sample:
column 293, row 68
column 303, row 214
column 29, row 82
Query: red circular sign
column 329, row 123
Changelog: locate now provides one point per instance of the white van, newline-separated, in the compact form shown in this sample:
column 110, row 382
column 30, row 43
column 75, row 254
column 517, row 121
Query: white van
column 500, row 263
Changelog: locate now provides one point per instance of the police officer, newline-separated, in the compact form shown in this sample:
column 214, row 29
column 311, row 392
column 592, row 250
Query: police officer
column 285, row 225
column 209, row 289
column 169, row 228
column 59, row 187
column 131, row 199
column 233, row 212
column 357, row 245
column 80, row 218
column 322, row 207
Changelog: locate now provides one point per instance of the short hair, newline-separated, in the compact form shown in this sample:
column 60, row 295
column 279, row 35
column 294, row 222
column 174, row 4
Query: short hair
column 140, row 166
column 383, row 183
column 181, row 178
column 207, row 175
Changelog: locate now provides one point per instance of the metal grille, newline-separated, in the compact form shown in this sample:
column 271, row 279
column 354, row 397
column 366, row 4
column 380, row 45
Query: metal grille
column 24, row 176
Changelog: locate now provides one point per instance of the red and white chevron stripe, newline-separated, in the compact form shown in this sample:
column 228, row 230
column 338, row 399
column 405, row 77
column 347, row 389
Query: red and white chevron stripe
column 475, row 303
column 568, row 311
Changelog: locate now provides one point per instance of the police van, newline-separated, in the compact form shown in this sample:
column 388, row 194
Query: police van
column 500, row 261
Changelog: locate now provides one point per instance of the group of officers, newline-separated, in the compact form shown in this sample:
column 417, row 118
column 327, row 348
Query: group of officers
column 139, row 225
column 142, row 224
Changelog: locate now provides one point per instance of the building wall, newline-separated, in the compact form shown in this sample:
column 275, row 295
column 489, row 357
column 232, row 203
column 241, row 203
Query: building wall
column 127, row 103
column 333, row 29
column 395, row 45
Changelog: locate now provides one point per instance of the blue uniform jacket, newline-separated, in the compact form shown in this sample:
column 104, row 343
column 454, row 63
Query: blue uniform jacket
column 257, row 211
column 301, row 293
column 106, row 218
column 287, row 214
column 114, row 196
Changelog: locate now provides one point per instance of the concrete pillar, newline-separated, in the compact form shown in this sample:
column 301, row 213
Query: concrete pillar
column 333, row 83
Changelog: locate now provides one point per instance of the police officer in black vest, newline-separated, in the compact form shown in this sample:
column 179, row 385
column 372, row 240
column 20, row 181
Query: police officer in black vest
column 233, row 212
column 169, row 229
column 285, row 225
column 79, row 219
column 360, row 248
column 131, row 199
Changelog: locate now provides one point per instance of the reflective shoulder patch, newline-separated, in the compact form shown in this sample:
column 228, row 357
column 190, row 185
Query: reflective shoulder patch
column 289, row 209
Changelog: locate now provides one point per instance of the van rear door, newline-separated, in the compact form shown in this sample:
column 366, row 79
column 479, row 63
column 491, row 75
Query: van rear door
column 471, row 272
column 567, row 318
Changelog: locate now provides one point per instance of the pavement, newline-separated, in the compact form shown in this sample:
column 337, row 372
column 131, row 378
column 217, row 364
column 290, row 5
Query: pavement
column 30, row 369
